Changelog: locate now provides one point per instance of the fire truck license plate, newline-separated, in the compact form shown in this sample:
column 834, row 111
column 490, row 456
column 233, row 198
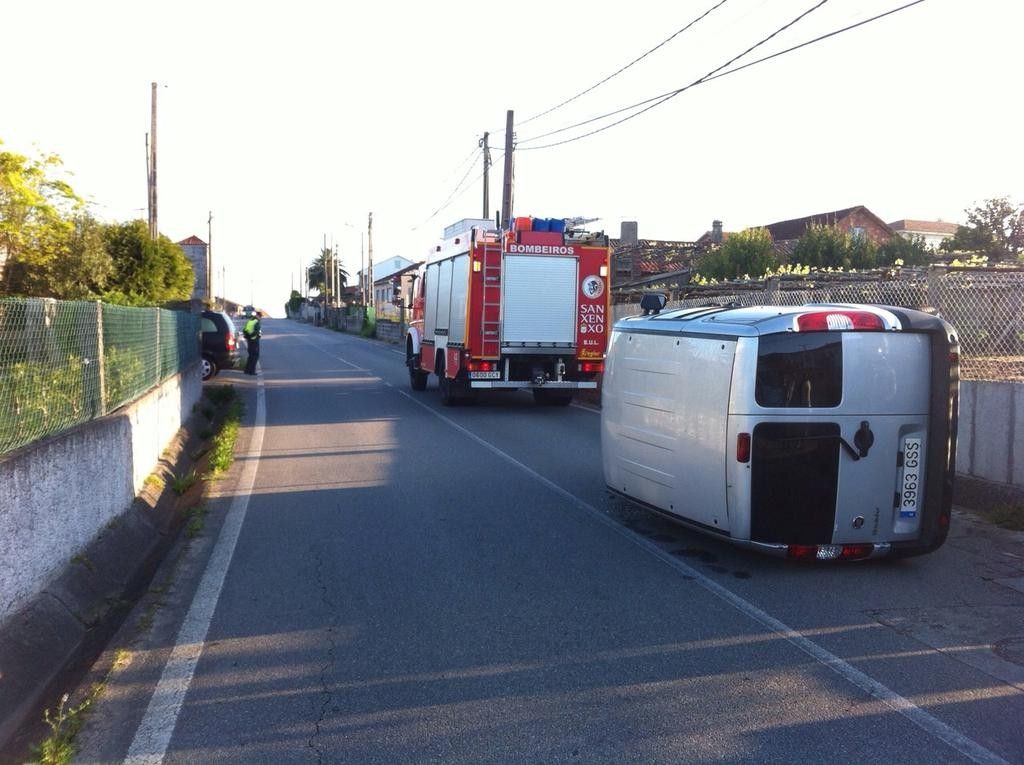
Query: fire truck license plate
column 495, row 375
column 911, row 477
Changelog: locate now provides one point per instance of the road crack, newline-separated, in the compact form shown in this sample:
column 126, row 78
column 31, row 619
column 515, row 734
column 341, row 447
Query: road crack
column 315, row 743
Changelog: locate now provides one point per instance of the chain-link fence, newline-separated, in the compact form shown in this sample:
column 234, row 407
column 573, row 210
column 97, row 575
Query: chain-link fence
column 63, row 363
column 986, row 306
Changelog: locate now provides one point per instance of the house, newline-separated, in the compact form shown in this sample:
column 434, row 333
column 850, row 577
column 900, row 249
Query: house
column 380, row 271
column 933, row 232
column 196, row 250
column 391, row 292
column 635, row 259
column 858, row 221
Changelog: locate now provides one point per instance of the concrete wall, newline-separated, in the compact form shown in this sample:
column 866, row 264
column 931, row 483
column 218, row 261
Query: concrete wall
column 991, row 436
column 58, row 493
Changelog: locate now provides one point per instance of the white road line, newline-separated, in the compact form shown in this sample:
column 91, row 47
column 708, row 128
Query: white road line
column 927, row 722
column 154, row 732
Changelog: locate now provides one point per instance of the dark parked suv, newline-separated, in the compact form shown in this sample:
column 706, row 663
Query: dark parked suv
column 220, row 343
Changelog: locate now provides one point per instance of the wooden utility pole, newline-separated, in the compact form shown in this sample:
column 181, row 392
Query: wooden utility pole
column 487, row 185
column 154, row 230
column 369, row 254
column 506, row 197
column 209, row 258
column 327, row 277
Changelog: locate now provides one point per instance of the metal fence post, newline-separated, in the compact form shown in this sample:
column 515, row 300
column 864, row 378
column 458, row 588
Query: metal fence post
column 101, row 359
column 159, row 352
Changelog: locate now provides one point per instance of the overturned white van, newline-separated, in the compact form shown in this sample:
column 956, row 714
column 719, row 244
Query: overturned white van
column 815, row 432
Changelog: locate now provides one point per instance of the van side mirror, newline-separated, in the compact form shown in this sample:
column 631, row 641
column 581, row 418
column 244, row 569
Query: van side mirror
column 653, row 303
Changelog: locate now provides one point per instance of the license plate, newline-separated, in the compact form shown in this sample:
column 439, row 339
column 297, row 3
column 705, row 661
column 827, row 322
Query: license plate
column 912, row 459
column 495, row 375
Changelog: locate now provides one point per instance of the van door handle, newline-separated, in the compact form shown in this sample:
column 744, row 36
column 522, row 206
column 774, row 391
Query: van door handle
column 854, row 454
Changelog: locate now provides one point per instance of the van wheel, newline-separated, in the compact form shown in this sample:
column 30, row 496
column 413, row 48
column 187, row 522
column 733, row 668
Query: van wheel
column 208, row 368
column 552, row 397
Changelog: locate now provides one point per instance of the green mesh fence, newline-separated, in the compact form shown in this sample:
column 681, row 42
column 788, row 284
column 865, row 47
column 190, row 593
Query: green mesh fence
column 985, row 305
column 63, row 363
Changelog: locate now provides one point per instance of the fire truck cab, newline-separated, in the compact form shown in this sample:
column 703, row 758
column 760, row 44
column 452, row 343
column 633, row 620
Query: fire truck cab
column 524, row 308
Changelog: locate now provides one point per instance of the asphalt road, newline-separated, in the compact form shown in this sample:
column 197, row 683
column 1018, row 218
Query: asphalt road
column 386, row 580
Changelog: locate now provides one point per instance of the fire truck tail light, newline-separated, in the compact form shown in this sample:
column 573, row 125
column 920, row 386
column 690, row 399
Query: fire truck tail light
column 604, row 271
column 591, row 366
column 477, row 265
column 480, row 366
column 830, row 321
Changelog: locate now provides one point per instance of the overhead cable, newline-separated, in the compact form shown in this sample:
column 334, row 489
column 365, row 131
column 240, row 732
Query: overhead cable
column 713, row 75
column 616, row 73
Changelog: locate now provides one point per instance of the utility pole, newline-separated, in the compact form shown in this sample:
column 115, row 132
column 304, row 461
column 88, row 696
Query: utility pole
column 369, row 254
column 337, row 276
column 209, row 258
column 327, row 278
column 362, row 268
column 487, row 185
column 154, row 230
column 506, row 197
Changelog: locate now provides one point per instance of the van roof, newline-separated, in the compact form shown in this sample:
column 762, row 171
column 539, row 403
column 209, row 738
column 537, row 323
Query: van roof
column 752, row 321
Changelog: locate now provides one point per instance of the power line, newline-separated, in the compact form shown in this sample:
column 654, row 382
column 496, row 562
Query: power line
column 616, row 73
column 457, row 192
column 662, row 99
column 714, row 75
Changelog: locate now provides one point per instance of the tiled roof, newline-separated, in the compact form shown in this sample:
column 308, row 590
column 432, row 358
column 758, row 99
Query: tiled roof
column 925, row 226
column 653, row 256
column 192, row 240
column 794, row 229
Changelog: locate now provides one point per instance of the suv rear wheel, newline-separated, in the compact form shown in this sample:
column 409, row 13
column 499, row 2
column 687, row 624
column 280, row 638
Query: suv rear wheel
column 208, row 368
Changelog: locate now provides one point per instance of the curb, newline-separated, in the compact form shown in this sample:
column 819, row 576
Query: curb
column 51, row 642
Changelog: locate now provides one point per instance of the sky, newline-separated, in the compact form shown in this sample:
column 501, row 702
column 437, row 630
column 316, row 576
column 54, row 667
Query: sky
column 291, row 122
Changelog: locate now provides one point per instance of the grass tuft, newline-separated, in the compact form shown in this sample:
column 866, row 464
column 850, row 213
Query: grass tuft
column 222, row 452
column 1008, row 516
column 183, row 483
column 196, row 519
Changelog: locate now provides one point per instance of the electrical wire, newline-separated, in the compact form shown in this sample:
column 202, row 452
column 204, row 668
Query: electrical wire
column 713, row 75
column 457, row 192
column 616, row 73
column 672, row 94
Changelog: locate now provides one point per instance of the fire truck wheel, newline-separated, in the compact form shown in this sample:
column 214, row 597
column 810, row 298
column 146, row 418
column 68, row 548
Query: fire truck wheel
column 417, row 379
column 552, row 397
column 447, row 389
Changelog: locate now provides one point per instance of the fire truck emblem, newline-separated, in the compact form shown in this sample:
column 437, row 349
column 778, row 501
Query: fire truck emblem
column 593, row 287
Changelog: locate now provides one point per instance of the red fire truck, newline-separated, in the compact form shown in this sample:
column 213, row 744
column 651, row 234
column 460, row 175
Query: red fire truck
column 523, row 308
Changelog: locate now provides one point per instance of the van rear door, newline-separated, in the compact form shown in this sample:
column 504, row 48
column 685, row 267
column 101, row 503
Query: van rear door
column 839, row 426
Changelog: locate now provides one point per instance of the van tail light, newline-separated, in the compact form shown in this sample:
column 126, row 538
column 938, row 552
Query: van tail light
column 856, row 552
column 229, row 341
column 743, row 447
column 591, row 366
column 479, row 366
column 954, row 358
column 830, row 321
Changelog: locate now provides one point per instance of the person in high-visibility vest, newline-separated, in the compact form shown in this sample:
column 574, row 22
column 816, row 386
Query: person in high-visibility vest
column 252, row 332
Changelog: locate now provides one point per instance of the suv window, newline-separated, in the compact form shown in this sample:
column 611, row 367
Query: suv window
column 800, row 370
column 207, row 325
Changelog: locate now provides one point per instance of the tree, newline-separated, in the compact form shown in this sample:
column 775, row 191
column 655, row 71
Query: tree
column 995, row 229
column 36, row 211
column 325, row 262
column 830, row 247
column 145, row 272
column 911, row 252
column 749, row 252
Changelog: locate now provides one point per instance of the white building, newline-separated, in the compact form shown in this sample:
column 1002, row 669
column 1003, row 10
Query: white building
column 934, row 232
